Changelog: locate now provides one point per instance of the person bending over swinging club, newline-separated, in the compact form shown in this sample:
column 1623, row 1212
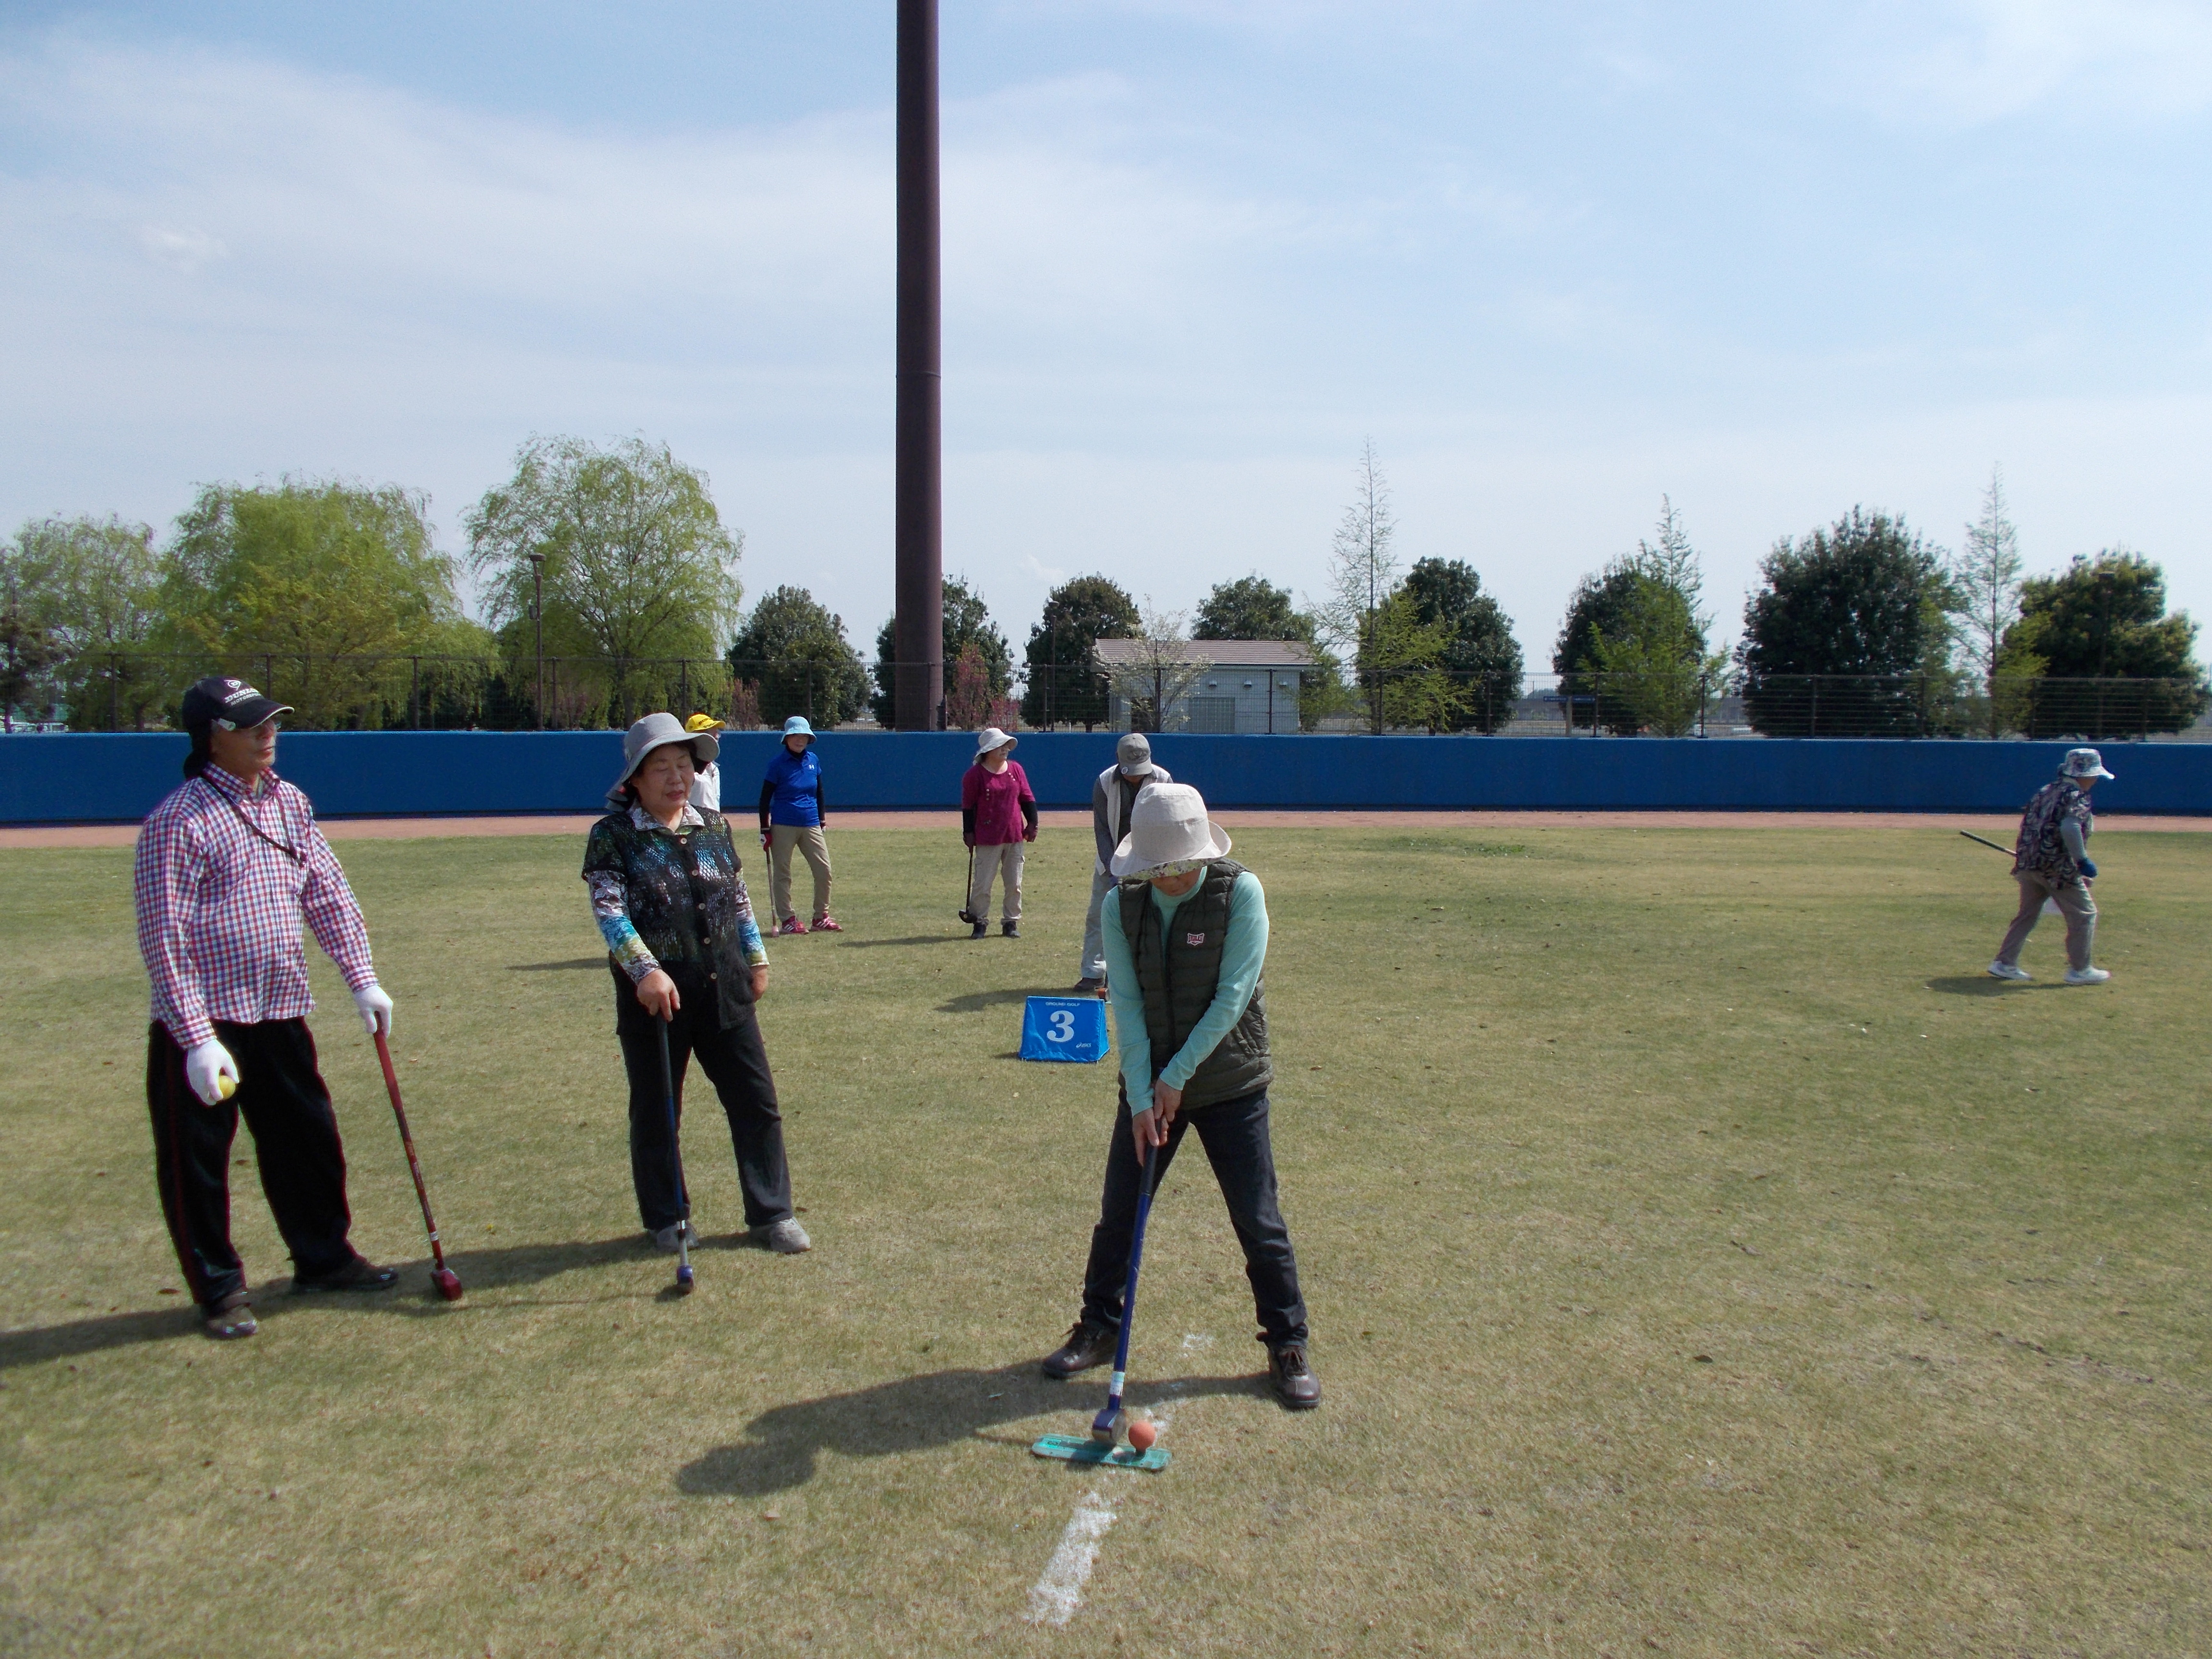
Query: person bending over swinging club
column 1186, row 935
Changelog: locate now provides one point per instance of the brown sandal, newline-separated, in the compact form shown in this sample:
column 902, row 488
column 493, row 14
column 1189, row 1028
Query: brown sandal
column 229, row 1318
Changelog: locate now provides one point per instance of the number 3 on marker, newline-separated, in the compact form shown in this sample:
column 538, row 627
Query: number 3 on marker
column 1062, row 1026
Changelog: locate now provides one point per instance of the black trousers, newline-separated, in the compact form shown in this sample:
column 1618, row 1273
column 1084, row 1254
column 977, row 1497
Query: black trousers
column 735, row 1062
column 1235, row 1135
column 295, row 1142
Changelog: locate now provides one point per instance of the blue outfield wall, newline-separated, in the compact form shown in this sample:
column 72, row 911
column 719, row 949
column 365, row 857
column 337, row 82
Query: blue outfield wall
column 115, row 778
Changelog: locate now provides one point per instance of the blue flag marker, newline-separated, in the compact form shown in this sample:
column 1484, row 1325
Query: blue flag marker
column 1065, row 1028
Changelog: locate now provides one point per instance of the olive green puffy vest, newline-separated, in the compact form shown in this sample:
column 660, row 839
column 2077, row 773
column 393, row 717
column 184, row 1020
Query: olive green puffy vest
column 1178, row 975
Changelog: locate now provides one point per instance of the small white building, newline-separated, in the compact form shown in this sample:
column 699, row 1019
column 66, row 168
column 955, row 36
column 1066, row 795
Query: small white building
column 1246, row 685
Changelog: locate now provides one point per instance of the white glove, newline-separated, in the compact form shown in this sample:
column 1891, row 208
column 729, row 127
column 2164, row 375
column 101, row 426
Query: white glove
column 205, row 1067
column 375, row 1009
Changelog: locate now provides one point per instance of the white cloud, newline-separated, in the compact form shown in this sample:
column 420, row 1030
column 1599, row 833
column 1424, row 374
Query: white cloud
column 180, row 250
column 1973, row 61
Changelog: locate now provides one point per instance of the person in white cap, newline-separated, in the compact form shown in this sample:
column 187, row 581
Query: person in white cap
column 2051, row 861
column 1112, row 795
column 684, row 946
column 997, row 815
column 1186, row 944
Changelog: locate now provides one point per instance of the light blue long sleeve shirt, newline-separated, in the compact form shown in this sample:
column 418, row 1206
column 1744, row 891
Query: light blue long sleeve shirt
column 1243, row 953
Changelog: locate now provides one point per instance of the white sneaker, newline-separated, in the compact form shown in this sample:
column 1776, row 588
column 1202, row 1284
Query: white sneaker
column 2009, row 970
column 2087, row 975
column 785, row 1237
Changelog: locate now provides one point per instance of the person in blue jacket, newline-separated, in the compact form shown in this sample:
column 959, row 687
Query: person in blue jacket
column 793, row 813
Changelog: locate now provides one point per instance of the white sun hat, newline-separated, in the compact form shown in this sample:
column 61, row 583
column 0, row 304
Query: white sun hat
column 991, row 737
column 2083, row 763
column 1169, row 834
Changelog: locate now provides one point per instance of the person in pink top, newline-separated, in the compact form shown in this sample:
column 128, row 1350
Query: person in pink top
column 998, row 814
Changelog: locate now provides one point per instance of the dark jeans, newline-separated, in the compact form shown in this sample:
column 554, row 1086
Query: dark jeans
column 736, row 1063
column 295, row 1143
column 1235, row 1135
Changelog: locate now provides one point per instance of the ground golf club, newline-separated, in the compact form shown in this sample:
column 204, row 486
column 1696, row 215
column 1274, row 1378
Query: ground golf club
column 447, row 1282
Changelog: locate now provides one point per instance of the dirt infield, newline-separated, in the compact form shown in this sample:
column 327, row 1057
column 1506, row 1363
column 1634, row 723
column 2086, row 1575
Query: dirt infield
column 575, row 823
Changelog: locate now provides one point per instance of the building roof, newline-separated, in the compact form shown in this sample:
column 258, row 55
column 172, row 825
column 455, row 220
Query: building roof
column 1222, row 654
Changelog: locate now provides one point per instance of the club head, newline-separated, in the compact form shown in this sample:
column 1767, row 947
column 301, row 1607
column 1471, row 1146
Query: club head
column 684, row 1281
column 448, row 1283
column 1108, row 1427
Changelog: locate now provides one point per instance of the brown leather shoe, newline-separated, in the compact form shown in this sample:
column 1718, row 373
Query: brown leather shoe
column 358, row 1274
column 1291, row 1378
column 1086, row 1345
column 230, row 1318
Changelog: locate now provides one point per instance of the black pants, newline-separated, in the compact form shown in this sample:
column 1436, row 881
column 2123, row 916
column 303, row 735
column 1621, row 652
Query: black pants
column 295, row 1143
column 1235, row 1135
column 736, row 1062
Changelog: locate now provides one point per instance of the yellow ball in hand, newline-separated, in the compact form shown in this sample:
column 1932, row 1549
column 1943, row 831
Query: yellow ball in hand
column 225, row 1085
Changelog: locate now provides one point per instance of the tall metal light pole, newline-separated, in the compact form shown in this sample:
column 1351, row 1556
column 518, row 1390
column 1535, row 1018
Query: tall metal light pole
column 918, row 679
column 537, row 615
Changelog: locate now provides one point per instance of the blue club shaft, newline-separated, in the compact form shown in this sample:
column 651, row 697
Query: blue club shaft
column 1129, row 1293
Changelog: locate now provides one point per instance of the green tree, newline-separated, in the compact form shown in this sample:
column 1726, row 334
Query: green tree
column 1479, row 654
column 30, row 642
column 316, row 589
column 968, row 626
column 1362, row 573
column 638, row 566
column 1253, row 608
column 1987, row 574
column 803, row 661
column 103, row 581
column 1401, row 664
column 1065, row 685
column 1864, row 606
column 1632, row 654
column 2104, row 619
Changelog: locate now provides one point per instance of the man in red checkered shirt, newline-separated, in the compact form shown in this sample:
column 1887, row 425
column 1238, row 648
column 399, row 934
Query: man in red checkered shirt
column 228, row 866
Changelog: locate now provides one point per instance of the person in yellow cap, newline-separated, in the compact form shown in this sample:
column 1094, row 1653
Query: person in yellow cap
column 707, row 783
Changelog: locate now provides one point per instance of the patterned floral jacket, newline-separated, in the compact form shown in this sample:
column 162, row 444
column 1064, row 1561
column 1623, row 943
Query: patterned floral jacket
column 675, row 900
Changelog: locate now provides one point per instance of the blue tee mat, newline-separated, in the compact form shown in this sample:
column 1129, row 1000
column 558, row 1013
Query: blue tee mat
column 1065, row 1028
column 1082, row 1448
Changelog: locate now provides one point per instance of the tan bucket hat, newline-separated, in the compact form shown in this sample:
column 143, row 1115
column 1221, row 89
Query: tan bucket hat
column 1169, row 833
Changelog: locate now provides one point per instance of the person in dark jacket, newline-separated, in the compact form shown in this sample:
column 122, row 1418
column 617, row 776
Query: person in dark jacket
column 684, row 947
column 1186, row 943
column 2052, row 864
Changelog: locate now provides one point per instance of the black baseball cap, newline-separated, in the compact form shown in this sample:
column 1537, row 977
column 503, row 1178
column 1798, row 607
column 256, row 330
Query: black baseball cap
column 231, row 704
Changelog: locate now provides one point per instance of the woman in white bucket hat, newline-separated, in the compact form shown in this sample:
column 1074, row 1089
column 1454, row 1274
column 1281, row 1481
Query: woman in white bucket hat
column 1186, row 936
column 684, row 947
column 2051, row 861
column 997, row 815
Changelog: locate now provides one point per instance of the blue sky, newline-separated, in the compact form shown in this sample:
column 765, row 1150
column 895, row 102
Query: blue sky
column 1555, row 260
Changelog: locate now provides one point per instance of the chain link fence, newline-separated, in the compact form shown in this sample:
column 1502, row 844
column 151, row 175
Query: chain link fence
column 131, row 691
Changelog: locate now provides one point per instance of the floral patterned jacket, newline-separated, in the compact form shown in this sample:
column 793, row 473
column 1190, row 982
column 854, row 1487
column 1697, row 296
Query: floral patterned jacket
column 675, row 900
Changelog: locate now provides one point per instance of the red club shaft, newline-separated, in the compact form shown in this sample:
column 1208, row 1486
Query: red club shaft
column 407, row 1140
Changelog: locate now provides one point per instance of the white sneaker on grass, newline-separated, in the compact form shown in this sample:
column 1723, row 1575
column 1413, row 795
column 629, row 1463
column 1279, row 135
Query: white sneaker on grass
column 2009, row 970
column 2087, row 975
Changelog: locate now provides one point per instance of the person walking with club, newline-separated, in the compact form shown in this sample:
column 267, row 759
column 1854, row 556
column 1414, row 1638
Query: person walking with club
column 689, row 966
column 229, row 866
column 793, row 813
column 1186, row 942
column 998, row 817
column 2051, row 861
column 1112, row 795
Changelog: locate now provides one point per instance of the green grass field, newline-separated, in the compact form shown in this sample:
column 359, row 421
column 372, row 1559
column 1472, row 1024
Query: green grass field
column 1702, row 1257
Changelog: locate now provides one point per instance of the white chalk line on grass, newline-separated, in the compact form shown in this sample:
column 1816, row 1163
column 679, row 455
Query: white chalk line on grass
column 1059, row 1589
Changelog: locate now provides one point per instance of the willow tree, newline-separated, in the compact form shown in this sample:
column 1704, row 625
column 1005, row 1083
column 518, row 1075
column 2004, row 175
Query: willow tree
column 639, row 570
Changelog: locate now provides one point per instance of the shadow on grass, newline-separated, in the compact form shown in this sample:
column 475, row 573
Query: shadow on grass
column 1981, row 984
column 912, row 1414
column 911, row 939
column 976, row 1001
column 556, row 967
column 479, row 1270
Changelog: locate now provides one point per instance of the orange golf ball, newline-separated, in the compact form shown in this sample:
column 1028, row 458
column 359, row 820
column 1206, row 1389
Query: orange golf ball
column 1143, row 1433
